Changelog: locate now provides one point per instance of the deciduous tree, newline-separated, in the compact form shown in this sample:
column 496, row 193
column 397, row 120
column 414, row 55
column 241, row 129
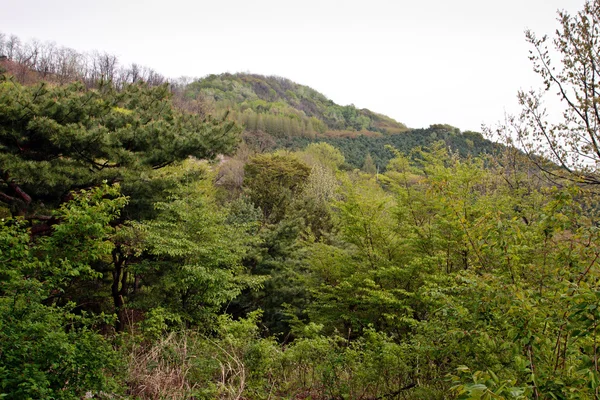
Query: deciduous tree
column 571, row 68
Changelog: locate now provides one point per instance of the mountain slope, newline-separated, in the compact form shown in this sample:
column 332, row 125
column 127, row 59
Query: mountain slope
column 284, row 108
column 278, row 113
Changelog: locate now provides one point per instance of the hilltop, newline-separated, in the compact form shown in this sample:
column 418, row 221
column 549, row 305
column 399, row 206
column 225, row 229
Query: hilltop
column 283, row 108
column 274, row 112
column 279, row 113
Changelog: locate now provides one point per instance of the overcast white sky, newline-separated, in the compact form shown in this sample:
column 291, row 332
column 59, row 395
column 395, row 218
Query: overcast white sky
column 459, row 62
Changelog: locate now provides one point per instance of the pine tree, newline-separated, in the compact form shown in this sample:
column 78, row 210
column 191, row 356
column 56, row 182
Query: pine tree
column 57, row 139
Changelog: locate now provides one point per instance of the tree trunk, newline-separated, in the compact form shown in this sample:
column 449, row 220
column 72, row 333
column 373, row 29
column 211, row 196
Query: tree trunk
column 119, row 288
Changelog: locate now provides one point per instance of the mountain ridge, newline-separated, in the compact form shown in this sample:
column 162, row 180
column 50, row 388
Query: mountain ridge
column 286, row 108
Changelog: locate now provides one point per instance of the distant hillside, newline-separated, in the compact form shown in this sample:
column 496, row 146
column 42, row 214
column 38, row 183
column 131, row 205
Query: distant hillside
column 275, row 111
column 283, row 108
column 272, row 105
column 356, row 149
column 278, row 113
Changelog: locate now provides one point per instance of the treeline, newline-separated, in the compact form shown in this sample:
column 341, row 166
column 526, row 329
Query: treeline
column 34, row 60
column 273, row 105
column 277, row 125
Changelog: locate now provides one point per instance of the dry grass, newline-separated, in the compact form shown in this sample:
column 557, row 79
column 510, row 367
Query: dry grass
column 161, row 370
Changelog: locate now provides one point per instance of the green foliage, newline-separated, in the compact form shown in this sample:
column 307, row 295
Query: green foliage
column 487, row 385
column 355, row 149
column 455, row 272
column 369, row 165
column 324, row 154
column 48, row 351
column 283, row 108
column 349, row 286
column 51, row 353
column 272, row 181
column 196, row 255
column 58, row 138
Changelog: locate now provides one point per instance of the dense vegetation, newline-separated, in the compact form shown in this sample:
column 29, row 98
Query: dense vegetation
column 356, row 149
column 274, row 105
column 133, row 264
column 283, row 108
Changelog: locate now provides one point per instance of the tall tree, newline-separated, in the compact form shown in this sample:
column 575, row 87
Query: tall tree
column 196, row 252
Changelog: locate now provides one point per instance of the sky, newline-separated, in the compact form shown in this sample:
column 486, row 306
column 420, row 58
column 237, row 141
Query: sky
column 424, row 62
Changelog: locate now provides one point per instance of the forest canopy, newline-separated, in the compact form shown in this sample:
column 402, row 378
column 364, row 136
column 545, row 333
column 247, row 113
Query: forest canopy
column 159, row 240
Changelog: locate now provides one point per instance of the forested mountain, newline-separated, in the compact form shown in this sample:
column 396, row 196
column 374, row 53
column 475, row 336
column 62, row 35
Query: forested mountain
column 334, row 255
column 284, row 108
column 271, row 104
column 278, row 113
column 274, row 112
